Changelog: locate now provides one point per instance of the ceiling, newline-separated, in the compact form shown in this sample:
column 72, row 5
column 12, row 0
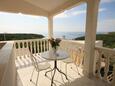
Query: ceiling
column 38, row 7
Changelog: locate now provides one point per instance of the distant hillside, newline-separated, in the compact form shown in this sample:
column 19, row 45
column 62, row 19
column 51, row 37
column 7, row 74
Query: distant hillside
column 108, row 39
column 19, row 36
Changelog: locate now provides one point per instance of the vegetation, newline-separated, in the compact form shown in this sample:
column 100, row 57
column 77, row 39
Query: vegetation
column 108, row 39
column 17, row 36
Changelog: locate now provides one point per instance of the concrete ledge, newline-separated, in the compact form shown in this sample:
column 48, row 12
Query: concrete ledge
column 7, row 65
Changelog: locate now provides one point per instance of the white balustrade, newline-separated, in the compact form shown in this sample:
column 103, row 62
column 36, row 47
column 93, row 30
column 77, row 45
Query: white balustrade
column 113, row 82
column 35, row 45
column 105, row 64
column 23, row 48
column 77, row 44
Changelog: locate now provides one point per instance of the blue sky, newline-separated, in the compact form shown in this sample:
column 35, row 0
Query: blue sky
column 72, row 20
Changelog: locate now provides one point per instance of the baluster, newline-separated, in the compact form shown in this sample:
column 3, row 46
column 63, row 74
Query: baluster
column 106, row 68
column 41, row 46
column 18, row 45
column 48, row 45
column 28, row 42
column 19, row 49
column 113, row 81
column 15, row 49
column 34, row 43
column 25, row 46
column 31, row 47
column 44, row 45
column 23, row 49
column 98, row 64
column 42, row 42
column 21, row 45
column 28, row 46
column 38, row 47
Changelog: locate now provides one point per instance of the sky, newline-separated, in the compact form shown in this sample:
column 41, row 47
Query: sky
column 72, row 20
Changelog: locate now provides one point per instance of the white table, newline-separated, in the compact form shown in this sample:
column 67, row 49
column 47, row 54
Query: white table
column 59, row 55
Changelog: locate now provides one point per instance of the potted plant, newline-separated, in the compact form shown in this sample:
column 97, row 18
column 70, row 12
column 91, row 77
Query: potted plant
column 54, row 43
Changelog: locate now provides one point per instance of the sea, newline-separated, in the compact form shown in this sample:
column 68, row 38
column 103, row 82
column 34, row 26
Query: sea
column 70, row 35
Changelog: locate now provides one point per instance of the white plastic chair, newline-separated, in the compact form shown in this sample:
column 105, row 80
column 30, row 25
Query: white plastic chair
column 76, row 57
column 38, row 66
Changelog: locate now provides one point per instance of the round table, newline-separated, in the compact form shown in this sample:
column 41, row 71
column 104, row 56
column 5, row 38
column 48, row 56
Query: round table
column 58, row 55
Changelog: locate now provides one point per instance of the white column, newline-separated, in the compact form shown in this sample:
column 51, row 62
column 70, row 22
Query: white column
column 50, row 26
column 90, row 36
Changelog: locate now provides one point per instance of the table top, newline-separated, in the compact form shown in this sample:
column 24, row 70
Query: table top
column 58, row 55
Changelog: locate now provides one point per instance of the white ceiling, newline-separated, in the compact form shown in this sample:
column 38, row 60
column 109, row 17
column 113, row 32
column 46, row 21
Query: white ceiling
column 37, row 7
column 47, row 5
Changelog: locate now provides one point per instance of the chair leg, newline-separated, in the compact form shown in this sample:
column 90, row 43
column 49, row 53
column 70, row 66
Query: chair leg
column 32, row 74
column 77, row 70
column 66, row 69
column 37, row 79
column 51, row 73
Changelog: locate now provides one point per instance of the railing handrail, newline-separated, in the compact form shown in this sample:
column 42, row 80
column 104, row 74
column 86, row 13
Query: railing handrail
column 31, row 39
column 76, row 41
column 8, row 69
column 105, row 49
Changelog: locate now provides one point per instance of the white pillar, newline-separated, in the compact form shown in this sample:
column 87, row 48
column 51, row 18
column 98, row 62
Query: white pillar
column 90, row 36
column 50, row 26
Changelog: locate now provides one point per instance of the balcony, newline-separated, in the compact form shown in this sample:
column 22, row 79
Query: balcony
column 18, row 51
column 15, row 65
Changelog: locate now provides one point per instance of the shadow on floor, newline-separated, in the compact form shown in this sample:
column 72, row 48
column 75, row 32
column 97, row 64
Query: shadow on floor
column 84, row 81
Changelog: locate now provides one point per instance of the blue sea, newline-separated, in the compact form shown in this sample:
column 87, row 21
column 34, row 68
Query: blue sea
column 70, row 35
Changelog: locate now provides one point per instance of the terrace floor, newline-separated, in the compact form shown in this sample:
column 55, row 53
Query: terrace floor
column 74, row 78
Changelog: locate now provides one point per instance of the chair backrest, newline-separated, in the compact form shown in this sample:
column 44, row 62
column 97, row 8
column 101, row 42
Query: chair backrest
column 77, row 55
column 35, row 61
